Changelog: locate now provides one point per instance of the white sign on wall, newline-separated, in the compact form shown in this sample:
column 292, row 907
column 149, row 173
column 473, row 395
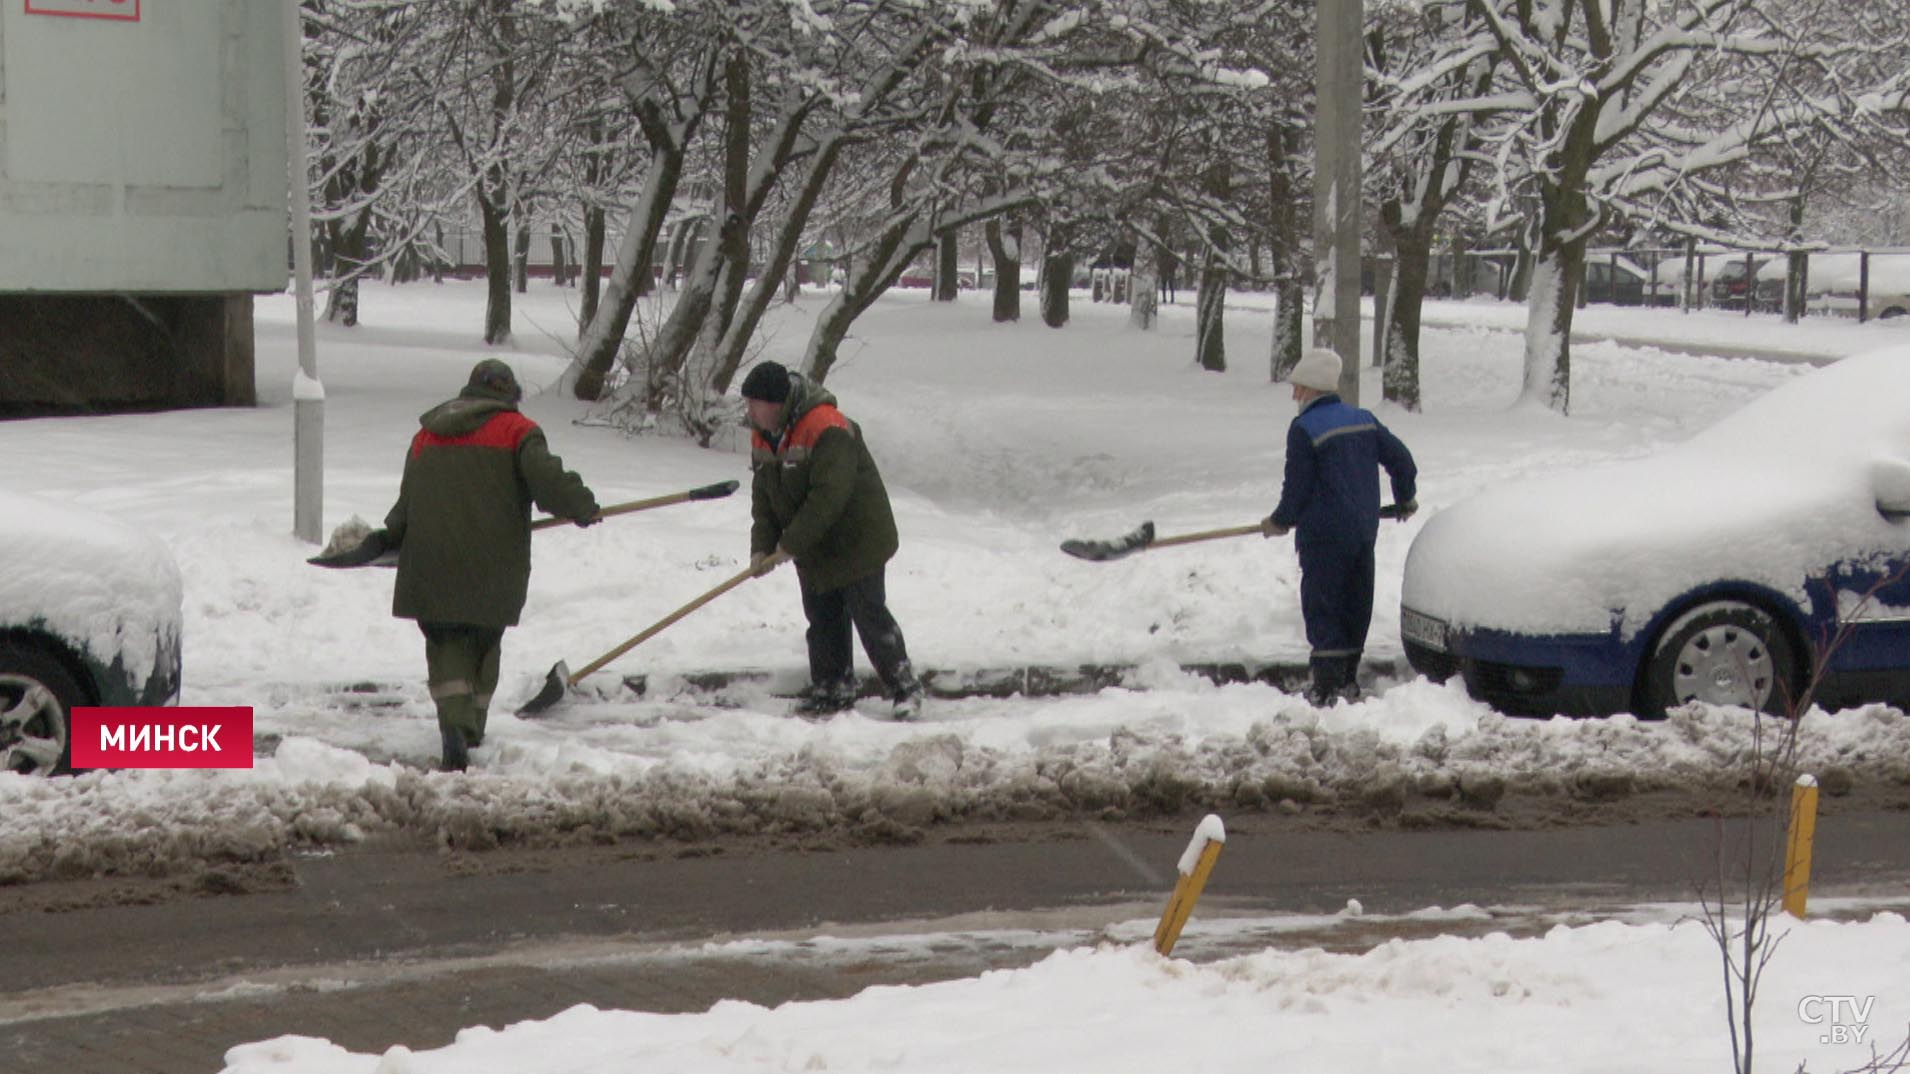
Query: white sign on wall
column 116, row 10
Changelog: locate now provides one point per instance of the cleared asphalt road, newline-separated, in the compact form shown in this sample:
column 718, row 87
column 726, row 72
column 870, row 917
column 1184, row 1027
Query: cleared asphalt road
column 380, row 947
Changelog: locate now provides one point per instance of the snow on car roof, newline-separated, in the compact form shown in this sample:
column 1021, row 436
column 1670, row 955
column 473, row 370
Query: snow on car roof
column 1767, row 495
column 88, row 578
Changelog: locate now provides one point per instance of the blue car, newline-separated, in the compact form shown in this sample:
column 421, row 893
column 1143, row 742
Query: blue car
column 1768, row 555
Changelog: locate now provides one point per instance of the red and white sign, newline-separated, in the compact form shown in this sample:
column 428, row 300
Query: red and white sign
column 162, row 737
column 117, row 10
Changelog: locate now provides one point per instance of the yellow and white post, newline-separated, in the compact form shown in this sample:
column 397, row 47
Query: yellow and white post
column 1797, row 854
column 1196, row 865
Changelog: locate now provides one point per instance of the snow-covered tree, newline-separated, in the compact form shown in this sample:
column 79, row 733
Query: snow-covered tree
column 1609, row 109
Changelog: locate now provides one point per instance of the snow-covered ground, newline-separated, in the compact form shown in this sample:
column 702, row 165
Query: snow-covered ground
column 1616, row 996
column 997, row 442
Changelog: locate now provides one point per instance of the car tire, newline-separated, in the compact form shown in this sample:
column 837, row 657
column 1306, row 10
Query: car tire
column 37, row 695
column 1721, row 653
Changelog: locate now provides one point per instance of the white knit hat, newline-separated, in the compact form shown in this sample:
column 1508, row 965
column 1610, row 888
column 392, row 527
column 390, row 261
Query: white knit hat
column 1318, row 369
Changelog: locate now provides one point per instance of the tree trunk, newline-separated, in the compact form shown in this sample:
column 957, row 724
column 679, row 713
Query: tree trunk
column 671, row 347
column 594, row 229
column 890, row 255
column 349, row 248
column 780, row 266
column 1566, row 219
column 1797, row 267
column 1210, row 343
column 1796, row 284
column 631, row 277
column 521, row 259
column 1412, row 259
column 559, row 260
column 1289, row 246
column 1004, row 246
column 1144, row 297
column 497, row 271
column 1057, row 275
column 1289, row 322
column 947, row 271
column 1519, row 284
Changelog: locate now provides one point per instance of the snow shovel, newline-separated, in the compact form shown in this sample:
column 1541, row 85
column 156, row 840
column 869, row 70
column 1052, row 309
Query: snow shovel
column 1142, row 538
column 371, row 549
column 561, row 678
column 707, row 492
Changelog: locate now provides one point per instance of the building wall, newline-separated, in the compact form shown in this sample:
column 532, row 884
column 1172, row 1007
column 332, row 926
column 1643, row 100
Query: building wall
column 143, row 180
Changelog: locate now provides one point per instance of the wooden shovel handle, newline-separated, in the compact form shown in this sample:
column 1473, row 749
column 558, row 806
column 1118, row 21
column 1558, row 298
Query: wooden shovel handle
column 707, row 492
column 657, row 627
column 1205, row 535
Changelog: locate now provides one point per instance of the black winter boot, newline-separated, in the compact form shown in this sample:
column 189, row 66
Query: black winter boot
column 829, row 699
column 908, row 693
column 456, row 757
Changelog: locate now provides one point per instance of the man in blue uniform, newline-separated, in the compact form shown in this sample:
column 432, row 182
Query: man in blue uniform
column 1329, row 501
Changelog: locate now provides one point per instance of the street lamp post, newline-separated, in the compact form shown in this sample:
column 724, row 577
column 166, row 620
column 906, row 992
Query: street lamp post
column 308, row 394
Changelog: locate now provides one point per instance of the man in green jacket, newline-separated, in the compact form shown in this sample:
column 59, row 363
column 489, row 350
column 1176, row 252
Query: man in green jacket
column 462, row 526
column 817, row 498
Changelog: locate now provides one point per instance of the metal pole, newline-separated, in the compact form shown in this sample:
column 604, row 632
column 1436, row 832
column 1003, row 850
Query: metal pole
column 1863, row 286
column 1336, row 189
column 308, row 394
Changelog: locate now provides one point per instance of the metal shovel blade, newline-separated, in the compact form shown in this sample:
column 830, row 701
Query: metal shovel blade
column 555, row 685
column 1102, row 551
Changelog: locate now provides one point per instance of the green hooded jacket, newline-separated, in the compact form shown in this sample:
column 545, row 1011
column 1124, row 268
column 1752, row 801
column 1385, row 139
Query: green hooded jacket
column 816, row 492
column 462, row 523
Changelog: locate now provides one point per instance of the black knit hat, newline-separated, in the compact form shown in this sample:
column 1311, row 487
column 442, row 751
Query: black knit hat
column 769, row 382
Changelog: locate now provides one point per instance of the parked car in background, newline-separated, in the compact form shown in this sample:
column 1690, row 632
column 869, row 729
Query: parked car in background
column 1835, row 282
column 1716, row 571
column 1732, row 285
column 1617, row 281
column 89, row 615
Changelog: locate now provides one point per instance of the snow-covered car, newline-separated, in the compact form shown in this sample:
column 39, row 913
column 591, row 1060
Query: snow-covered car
column 1837, row 280
column 1720, row 570
column 89, row 615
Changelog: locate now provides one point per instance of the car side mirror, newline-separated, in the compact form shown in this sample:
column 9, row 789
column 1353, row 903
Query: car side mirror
column 1890, row 484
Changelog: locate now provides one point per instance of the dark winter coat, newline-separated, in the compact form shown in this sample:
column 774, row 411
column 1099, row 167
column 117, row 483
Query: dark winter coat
column 1331, row 490
column 817, row 494
column 463, row 518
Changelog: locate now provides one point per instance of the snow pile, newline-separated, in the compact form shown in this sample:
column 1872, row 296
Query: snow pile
column 1626, row 997
column 1419, row 749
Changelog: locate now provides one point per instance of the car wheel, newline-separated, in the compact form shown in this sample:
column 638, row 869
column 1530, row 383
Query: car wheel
column 37, row 695
column 1893, row 311
column 1722, row 653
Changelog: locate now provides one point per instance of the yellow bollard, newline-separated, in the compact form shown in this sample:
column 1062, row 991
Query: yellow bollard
column 1196, row 864
column 1797, row 856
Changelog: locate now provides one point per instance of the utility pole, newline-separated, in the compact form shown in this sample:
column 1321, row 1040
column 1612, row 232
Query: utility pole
column 308, row 394
column 1336, row 189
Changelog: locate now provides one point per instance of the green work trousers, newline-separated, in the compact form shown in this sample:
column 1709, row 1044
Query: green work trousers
column 461, row 666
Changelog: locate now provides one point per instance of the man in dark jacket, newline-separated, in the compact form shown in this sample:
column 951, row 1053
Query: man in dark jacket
column 1330, row 502
column 462, row 526
column 817, row 498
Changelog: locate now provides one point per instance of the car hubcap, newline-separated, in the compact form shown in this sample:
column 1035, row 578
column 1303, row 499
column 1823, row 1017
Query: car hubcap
column 1723, row 665
column 32, row 726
